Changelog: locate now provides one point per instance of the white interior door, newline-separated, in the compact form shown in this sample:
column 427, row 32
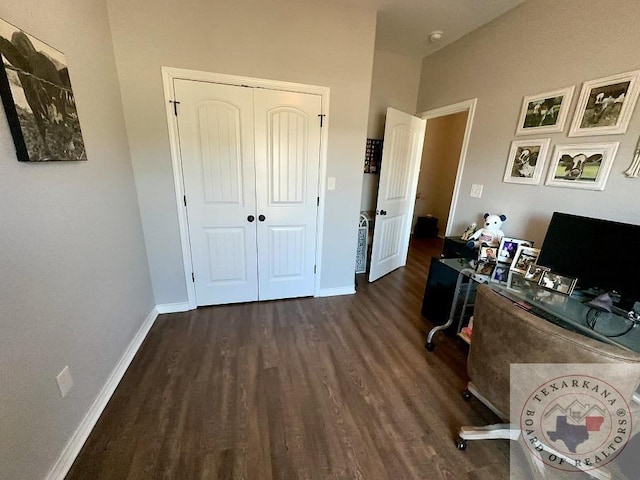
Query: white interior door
column 217, row 148
column 287, row 139
column 401, row 155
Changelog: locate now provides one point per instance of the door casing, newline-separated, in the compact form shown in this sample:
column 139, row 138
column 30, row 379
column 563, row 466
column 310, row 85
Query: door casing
column 168, row 75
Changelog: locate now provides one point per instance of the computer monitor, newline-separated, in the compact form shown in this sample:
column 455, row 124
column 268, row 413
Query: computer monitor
column 601, row 254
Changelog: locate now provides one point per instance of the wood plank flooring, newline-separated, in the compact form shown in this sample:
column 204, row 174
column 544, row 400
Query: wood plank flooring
column 312, row 388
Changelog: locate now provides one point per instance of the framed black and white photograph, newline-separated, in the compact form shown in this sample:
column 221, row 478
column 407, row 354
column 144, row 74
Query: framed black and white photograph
column 545, row 112
column 585, row 166
column 38, row 100
column 605, row 105
column 557, row 283
column 526, row 161
column 508, row 248
column 500, row 274
column 524, row 257
column 534, row 272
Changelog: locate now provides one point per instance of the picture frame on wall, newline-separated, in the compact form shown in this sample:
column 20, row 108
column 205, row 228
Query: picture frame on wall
column 605, row 105
column 38, row 99
column 545, row 112
column 526, row 161
column 585, row 166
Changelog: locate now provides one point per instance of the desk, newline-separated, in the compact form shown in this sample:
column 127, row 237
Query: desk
column 568, row 312
column 571, row 313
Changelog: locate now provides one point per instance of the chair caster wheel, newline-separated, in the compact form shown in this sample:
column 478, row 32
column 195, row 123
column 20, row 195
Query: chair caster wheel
column 430, row 346
column 466, row 395
column 461, row 444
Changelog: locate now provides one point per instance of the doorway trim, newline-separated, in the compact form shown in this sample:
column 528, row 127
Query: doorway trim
column 465, row 106
column 169, row 74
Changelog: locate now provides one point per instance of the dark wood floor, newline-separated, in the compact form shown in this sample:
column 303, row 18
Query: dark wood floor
column 335, row 387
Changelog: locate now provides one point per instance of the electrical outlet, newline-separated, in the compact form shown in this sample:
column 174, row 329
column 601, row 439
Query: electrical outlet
column 331, row 183
column 65, row 381
column 476, row 191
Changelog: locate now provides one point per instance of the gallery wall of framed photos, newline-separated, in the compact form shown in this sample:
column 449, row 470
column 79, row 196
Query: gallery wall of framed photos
column 604, row 107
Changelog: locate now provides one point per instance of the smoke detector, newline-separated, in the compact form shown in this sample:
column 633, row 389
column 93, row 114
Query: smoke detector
column 435, row 36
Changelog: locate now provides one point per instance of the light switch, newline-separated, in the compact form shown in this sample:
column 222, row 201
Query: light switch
column 476, row 191
column 331, row 183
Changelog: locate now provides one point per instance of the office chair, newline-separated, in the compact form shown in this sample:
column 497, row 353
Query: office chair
column 505, row 334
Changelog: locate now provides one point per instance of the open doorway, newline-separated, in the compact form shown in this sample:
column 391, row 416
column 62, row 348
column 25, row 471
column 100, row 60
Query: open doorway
column 443, row 157
column 438, row 168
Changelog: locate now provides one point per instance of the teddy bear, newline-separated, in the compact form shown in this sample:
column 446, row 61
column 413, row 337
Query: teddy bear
column 489, row 234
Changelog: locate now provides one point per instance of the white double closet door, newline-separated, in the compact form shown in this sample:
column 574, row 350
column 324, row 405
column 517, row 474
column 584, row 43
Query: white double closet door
column 250, row 159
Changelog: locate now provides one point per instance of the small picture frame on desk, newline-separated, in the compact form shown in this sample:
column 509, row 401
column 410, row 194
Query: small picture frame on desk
column 534, row 272
column 524, row 257
column 500, row 274
column 557, row 283
column 488, row 254
column 509, row 247
column 484, row 270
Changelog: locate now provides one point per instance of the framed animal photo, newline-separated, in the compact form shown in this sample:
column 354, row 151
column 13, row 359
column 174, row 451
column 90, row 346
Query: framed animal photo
column 534, row 272
column 38, row 99
column 545, row 112
column 525, row 256
column 584, row 166
column 605, row 105
column 526, row 161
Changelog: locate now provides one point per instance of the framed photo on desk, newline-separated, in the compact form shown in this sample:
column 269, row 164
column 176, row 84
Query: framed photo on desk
column 558, row 283
column 524, row 257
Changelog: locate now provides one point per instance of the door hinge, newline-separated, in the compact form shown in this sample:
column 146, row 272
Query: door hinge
column 193, row 277
column 185, row 200
column 322, row 115
column 318, row 202
column 315, row 269
column 175, row 106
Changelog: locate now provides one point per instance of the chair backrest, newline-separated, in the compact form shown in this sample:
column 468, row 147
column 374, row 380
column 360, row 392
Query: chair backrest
column 504, row 334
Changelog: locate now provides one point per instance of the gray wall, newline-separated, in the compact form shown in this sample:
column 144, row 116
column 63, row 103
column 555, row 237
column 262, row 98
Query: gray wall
column 394, row 83
column 74, row 282
column 320, row 43
column 539, row 46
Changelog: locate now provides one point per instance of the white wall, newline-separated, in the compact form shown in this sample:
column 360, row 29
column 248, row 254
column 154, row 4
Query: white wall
column 438, row 168
column 74, row 282
column 394, row 83
column 539, row 46
column 320, row 43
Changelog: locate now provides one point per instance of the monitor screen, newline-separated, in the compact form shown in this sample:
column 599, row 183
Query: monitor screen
column 601, row 254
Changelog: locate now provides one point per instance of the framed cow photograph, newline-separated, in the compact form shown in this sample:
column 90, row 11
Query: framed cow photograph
column 38, row 100
column 585, row 166
column 605, row 105
column 526, row 161
column 545, row 112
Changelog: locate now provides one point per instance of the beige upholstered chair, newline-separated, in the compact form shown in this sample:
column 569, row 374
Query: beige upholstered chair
column 504, row 334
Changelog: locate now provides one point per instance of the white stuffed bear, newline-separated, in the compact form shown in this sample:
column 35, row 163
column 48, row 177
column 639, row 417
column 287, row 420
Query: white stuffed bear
column 490, row 234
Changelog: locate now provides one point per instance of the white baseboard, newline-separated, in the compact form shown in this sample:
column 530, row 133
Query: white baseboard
column 173, row 307
column 75, row 443
column 333, row 292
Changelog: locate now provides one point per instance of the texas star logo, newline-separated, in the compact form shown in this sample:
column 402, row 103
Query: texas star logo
column 576, row 422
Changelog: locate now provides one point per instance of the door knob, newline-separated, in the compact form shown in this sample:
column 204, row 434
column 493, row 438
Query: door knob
column 262, row 218
column 251, row 218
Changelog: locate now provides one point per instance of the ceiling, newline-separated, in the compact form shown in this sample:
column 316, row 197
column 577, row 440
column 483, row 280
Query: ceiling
column 404, row 25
